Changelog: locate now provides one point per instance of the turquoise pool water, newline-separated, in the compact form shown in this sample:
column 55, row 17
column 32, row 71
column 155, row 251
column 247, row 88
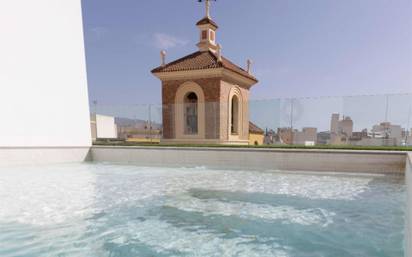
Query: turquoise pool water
column 115, row 210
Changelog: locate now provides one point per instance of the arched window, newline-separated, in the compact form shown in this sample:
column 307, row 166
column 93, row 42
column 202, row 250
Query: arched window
column 191, row 114
column 235, row 115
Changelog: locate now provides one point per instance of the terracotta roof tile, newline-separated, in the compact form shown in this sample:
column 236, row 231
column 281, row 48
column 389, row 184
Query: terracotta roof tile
column 200, row 61
column 253, row 128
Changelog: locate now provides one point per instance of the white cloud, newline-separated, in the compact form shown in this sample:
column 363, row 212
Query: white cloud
column 164, row 41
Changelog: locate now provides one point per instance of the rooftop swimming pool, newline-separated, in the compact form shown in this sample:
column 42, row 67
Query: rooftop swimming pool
column 100, row 209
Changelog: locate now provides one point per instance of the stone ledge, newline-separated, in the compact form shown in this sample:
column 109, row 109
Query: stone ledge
column 377, row 162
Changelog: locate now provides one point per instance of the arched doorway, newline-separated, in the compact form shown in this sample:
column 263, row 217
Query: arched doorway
column 235, row 129
column 189, row 121
column 191, row 114
column 234, row 123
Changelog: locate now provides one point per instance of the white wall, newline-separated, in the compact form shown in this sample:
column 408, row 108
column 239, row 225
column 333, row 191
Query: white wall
column 43, row 85
column 105, row 126
column 18, row 156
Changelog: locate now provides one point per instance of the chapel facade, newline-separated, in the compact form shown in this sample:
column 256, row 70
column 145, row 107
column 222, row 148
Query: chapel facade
column 205, row 96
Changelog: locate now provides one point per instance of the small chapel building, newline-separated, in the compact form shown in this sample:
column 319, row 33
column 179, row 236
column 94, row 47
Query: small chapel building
column 205, row 96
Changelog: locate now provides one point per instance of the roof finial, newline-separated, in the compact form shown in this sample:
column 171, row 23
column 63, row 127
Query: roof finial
column 208, row 8
column 249, row 66
column 207, row 2
column 219, row 52
column 163, row 57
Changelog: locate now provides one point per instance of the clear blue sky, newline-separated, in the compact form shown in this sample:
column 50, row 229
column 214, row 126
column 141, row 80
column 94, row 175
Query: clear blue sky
column 299, row 48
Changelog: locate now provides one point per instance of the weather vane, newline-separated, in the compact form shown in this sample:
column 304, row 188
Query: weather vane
column 207, row 6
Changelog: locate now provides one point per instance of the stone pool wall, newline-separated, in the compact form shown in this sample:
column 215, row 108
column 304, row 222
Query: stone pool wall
column 222, row 158
column 256, row 159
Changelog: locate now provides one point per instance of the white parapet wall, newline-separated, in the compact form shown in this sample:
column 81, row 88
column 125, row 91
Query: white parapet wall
column 103, row 126
column 408, row 232
column 43, row 82
column 19, row 156
column 383, row 162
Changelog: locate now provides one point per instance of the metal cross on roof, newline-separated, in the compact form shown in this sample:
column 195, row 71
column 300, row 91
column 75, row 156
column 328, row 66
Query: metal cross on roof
column 207, row 2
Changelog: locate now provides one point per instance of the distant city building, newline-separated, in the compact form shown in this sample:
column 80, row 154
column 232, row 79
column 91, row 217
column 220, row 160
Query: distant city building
column 388, row 133
column 408, row 138
column 308, row 136
column 405, row 133
column 103, row 127
column 270, row 137
column 383, row 134
column 369, row 141
column 341, row 133
column 334, row 123
column 323, row 138
column 340, row 130
column 358, row 137
column 256, row 134
column 387, row 130
column 285, row 136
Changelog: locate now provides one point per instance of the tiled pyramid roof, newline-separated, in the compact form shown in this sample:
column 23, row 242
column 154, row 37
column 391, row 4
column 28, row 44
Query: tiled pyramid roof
column 200, row 61
column 207, row 20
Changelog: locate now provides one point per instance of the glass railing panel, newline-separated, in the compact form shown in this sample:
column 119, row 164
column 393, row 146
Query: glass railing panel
column 266, row 113
column 380, row 120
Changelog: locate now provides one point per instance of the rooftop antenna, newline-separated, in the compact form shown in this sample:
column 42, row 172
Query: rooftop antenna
column 207, row 2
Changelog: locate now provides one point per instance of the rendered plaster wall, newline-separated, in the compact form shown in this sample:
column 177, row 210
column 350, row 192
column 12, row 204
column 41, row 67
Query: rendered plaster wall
column 43, row 99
